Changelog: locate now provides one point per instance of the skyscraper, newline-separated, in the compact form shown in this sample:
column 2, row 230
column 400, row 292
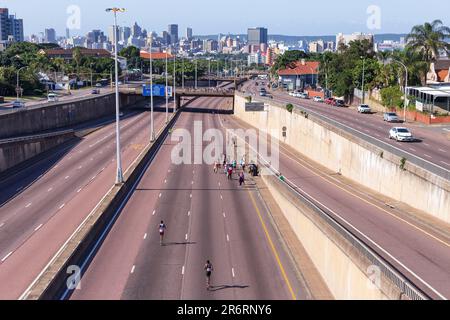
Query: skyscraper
column 50, row 35
column 111, row 33
column 173, row 32
column 256, row 36
column 136, row 30
column 189, row 33
column 10, row 26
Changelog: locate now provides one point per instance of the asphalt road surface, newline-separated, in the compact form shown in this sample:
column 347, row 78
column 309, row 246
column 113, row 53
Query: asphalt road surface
column 43, row 204
column 208, row 217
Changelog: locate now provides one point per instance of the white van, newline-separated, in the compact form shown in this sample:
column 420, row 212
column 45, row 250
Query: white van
column 52, row 97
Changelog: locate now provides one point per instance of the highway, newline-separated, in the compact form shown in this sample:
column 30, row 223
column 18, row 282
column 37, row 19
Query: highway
column 417, row 248
column 63, row 97
column 208, row 217
column 43, row 204
column 432, row 152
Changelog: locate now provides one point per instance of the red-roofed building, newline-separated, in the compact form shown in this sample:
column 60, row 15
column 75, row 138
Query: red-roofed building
column 439, row 71
column 299, row 75
column 156, row 55
column 67, row 54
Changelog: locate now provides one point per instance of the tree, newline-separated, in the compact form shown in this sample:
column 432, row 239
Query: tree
column 289, row 57
column 391, row 97
column 76, row 55
column 429, row 39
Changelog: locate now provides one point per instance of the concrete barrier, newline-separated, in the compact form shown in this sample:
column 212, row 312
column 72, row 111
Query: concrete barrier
column 353, row 157
column 350, row 271
column 61, row 115
column 16, row 151
column 80, row 248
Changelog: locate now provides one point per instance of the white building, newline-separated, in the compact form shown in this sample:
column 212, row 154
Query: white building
column 347, row 38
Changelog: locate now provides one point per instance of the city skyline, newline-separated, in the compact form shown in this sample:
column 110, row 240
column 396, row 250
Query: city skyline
column 344, row 18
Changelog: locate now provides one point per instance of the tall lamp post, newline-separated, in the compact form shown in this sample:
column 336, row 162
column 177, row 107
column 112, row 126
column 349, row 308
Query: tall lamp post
column 167, row 88
column 174, row 91
column 18, row 82
column 119, row 175
column 196, row 71
column 152, row 124
column 363, row 78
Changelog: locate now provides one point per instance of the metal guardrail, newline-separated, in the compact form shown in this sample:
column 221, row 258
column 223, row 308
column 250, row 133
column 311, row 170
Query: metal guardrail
column 40, row 136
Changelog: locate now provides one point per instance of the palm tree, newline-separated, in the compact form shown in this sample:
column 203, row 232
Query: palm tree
column 429, row 39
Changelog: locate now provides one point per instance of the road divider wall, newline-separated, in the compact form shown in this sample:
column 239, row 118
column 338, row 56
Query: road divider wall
column 62, row 114
column 353, row 157
column 350, row 270
column 82, row 245
column 17, row 151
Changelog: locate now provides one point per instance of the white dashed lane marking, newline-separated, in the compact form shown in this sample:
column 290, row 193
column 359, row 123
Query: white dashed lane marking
column 38, row 227
column 28, row 205
column 7, row 256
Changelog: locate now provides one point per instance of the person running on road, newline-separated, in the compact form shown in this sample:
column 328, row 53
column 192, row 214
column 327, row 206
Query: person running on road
column 230, row 172
column 162, row 230
column 241, row 179
column 209, row 269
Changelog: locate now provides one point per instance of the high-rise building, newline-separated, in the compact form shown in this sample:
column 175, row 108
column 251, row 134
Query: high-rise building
column 111, row 33
column 189, row 33
column 50, row 35
column 125, row 34
column 345, row 39
column 256, row 36
column 136, row 30
column 11, row 28
column 173, row 32
column 166, row 38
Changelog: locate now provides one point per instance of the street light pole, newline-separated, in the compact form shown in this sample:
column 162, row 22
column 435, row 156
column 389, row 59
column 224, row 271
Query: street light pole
column 209, row 73
column 119, row 175
column 174, row 91
column 196, row 74
column 182, row 75
column 152, row 124
column 91, row 76
column 363, row 78
column 406, row 89
column 167, row 90
column 18, row 82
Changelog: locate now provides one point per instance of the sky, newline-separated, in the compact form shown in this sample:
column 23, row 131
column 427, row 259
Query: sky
column 287, row 17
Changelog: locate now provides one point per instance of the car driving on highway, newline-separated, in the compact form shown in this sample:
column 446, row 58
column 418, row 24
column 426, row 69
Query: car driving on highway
column 18, row 104
column 364, row 108
column 318, row 99
column 400, row 134
column 391, row 117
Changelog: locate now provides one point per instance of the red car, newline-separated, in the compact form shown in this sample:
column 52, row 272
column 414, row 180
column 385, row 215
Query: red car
column 330, row 101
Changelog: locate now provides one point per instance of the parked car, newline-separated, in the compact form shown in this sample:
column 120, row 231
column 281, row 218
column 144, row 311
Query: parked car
column 364, row 108
column 329, row 101
column 52, row 97
column 318, row 99
column 339, row 103
column 401, row 134
column 95, row 91
column 391, row 117
column 18, row 104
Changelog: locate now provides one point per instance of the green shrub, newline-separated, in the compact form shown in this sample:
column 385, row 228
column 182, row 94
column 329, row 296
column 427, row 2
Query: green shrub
column 289, row 107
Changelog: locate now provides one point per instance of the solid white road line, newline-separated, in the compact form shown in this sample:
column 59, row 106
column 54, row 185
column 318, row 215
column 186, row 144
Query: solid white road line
column 7, row 256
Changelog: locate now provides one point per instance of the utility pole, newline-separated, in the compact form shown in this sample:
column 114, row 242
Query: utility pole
column 167, row 89
column 174, row 91
column 152, row 124
column 363, row 78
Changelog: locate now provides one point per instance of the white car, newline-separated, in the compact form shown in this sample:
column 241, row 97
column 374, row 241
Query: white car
column 318, row 99
column 52, row 97
column 364, row 108
column 400, row 134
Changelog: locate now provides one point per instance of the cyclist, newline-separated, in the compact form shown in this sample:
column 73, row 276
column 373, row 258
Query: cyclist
column 208, row 268
column 162, row 229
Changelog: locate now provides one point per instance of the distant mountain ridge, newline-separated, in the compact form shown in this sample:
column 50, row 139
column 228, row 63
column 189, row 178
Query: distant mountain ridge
column 293, row 40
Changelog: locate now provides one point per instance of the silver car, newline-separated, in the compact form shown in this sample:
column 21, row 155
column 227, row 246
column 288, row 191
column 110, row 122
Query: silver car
column 391, row 117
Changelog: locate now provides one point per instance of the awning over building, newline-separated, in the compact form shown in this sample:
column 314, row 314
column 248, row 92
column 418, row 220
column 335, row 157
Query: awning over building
column 432, row 98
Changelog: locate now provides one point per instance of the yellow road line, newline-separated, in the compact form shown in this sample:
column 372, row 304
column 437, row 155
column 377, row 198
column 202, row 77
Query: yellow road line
column 357, row 196
column 283, row 272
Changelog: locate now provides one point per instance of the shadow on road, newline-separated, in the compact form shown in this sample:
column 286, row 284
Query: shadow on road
column 178, row 244
column 225, row 287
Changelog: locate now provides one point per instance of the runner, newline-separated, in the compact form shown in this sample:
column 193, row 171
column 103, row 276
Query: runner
column 162, row 229
column 209, row 269
column 241, row 179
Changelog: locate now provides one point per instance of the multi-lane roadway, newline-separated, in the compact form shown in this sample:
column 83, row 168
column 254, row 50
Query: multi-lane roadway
column 432, row 151
column 42, row 205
